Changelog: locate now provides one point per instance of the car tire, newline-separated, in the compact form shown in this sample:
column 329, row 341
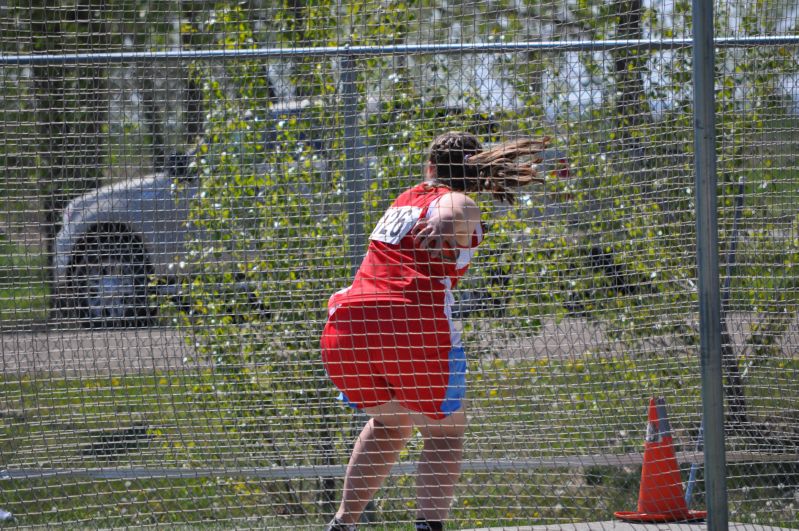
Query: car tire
column 110, row 282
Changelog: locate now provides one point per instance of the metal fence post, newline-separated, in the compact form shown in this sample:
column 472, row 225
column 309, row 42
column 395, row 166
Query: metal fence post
column 353, row 152
column 708, row 263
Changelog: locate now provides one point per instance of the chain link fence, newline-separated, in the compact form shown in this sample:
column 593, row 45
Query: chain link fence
column 186, row 183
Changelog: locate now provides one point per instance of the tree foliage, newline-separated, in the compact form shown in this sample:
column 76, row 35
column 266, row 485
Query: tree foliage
column 614, row 245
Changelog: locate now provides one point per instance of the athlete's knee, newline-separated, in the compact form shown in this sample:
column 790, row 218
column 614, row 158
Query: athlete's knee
column 452, row 434
column 450, row 427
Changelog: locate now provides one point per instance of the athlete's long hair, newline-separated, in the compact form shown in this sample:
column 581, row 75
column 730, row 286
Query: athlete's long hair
column 461, row 164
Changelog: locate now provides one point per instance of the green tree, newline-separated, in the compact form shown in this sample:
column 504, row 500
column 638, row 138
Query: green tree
column 71, row 113
column 73, row 102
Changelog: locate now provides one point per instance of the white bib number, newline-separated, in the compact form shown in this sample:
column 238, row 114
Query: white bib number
column 395, row 224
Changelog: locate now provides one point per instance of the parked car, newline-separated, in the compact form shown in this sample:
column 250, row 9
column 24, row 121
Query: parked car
column 115, row 240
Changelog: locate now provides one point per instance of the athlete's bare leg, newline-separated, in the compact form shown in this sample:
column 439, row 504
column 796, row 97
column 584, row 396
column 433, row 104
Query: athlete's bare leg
column 378, row 448
column 375, row 452
column 439, row 466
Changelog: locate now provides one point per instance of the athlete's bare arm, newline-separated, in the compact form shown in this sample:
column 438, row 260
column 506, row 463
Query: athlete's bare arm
column 453, row 223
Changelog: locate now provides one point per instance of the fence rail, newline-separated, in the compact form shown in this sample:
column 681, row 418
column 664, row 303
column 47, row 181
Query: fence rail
column 388, row 50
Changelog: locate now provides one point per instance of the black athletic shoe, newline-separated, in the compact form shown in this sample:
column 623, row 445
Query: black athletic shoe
column 335, row 525
column 425, row 525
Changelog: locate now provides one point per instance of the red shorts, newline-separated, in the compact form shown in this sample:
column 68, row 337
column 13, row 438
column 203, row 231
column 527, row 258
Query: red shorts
column 378, row 352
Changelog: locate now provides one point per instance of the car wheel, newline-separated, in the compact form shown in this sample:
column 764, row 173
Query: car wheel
column 110, row 282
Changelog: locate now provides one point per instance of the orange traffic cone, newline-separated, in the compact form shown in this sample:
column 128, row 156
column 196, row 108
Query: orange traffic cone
column 660, row 497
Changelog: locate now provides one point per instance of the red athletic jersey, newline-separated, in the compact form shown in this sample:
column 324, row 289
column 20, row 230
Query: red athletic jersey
column 394, row 269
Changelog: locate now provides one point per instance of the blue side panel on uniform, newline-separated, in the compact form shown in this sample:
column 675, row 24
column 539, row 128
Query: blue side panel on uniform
column 343, row 398
column 456, row 389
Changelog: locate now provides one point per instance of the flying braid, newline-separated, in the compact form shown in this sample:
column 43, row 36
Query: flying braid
column 463, row 165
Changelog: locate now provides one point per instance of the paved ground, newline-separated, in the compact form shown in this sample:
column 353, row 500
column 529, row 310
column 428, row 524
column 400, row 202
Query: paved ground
column 95, row 352
column 109, row 351
column 88, row 352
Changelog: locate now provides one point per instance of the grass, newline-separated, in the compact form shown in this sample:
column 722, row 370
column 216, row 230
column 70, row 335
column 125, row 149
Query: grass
column 523, row 409
column 23, row 286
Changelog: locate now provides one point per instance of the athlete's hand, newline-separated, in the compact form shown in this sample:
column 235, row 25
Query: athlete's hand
column 435, row 235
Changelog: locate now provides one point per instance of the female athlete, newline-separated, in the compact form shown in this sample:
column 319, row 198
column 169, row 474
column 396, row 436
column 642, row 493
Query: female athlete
column 389, row 344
